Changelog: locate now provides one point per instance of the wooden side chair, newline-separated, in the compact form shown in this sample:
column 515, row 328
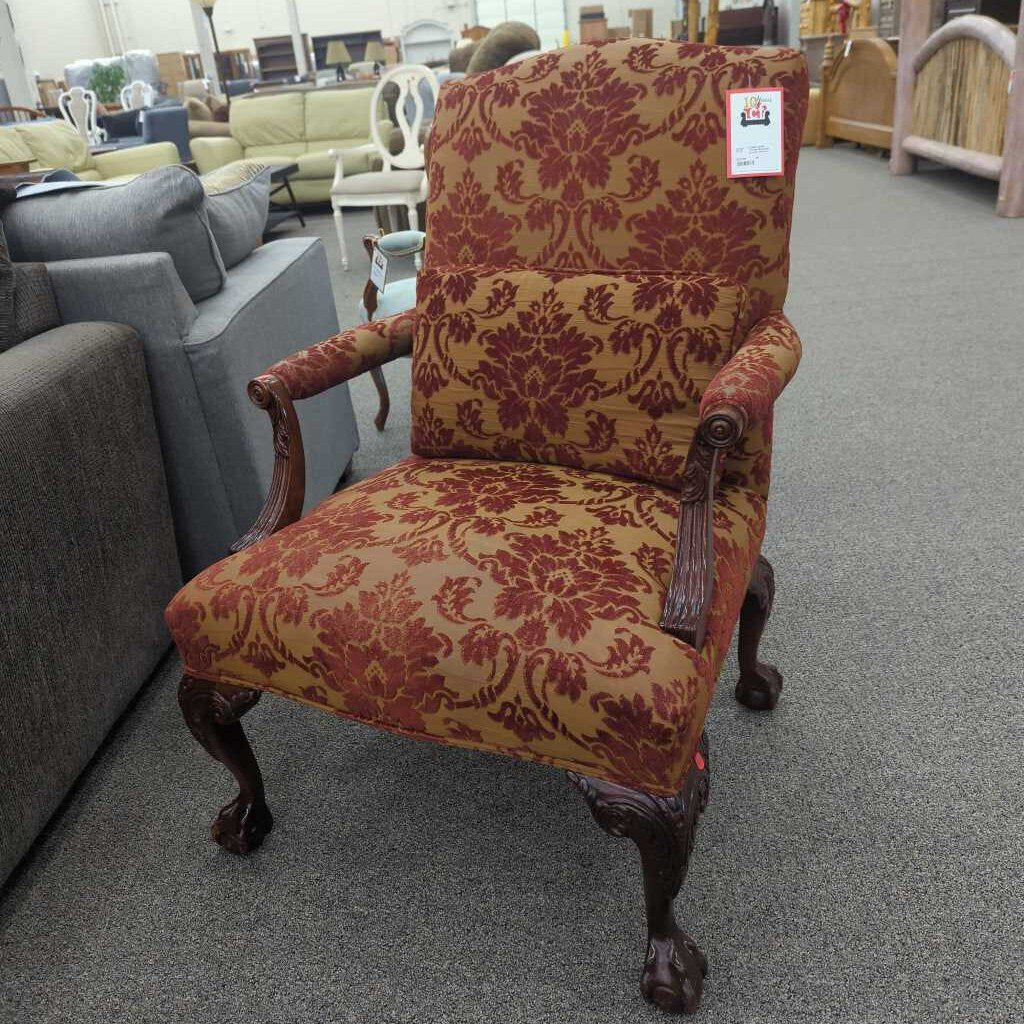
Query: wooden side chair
column 402, row 179
column 137, row 95
column 556, row 572
column 79, row 108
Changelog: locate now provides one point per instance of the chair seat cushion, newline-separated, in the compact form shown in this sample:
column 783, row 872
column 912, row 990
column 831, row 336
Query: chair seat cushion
column 373, row 182
column 590, row 369
column 509, row 607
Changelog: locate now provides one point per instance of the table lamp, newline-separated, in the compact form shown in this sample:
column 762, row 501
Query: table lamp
column 375, row 51
column 337, row 57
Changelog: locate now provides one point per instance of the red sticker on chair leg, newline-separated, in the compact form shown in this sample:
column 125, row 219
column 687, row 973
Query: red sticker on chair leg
column 698, row 760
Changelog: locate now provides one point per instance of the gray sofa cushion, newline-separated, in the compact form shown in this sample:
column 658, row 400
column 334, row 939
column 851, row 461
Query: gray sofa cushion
column 160, row 211
column 237, row 202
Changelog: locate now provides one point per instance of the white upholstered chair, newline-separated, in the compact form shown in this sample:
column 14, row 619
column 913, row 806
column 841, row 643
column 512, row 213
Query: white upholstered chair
column 403, row 180
column 137, row 95
column 78, row 107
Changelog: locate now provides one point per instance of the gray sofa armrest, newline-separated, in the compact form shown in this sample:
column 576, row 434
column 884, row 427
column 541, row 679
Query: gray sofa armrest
column 137, row 290
column 87, row 560
column 145, row 292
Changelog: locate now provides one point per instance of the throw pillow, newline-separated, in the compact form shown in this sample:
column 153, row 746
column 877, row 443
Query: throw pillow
column 600, row 371
column 197, row 109
column 237, row 201
column 501, row 43
column 160, row 211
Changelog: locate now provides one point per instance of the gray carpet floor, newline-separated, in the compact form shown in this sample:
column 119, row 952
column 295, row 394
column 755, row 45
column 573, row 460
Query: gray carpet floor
column 861, row 859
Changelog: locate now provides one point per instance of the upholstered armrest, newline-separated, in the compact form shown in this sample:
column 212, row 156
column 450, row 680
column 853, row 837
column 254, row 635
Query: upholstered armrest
column 136, row 159
column 759, row 371
column 741, row 394
column 216, row 151
column 344, row 356
column 307, row 373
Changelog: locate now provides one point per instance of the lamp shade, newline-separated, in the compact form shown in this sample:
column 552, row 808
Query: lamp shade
column 375, row 51
column 337, row 53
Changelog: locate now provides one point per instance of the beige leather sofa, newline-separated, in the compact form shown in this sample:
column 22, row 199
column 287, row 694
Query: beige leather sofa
column 297, row 127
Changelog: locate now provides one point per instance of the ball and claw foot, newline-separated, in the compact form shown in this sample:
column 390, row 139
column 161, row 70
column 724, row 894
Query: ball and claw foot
column 759, row 690
column 674, row 973
column 760, row 683
column 241, row 826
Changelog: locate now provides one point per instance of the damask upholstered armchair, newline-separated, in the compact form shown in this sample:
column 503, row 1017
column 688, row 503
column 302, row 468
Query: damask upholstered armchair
column 556, row 572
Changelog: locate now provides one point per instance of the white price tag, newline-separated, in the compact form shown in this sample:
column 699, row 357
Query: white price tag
column 378, row 269
column 753, row 133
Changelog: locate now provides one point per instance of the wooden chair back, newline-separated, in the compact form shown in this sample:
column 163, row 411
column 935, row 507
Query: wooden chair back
column 409, row 79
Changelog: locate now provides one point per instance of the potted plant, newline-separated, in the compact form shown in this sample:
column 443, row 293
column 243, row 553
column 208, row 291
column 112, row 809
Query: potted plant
column 106, row 81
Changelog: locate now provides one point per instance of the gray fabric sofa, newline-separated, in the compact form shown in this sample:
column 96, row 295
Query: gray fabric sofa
column 201, row 348
column 87, row 552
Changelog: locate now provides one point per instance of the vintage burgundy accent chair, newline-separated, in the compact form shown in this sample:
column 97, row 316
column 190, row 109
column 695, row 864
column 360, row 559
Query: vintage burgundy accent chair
column 556, row 572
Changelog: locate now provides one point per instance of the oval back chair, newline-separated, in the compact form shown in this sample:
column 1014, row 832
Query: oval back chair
column 78, row 107
column 402, row 178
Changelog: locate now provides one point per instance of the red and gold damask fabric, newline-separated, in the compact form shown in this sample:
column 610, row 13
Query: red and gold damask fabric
column 753, row 379
column 612, row 156
column 345, row 355
column 591, row 370
column 509, row 607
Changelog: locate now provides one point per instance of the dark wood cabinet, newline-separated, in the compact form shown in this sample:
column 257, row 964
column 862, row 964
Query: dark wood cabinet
column 1006, row 11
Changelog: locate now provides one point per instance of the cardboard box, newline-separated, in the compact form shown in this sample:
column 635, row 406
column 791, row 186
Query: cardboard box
column 642, row 22
column 593, row 24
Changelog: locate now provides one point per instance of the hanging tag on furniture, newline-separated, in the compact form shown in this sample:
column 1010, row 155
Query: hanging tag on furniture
column 753, row 133
column 378, row 269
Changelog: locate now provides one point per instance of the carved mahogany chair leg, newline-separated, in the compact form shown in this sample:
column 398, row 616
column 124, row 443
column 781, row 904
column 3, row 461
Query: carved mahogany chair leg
column 212, row 712
column 759, row 684
column 662, row 828
column 385, row 399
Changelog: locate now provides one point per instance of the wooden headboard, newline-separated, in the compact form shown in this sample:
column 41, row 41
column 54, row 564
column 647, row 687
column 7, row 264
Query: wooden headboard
column 961, row 94
column 859, row 91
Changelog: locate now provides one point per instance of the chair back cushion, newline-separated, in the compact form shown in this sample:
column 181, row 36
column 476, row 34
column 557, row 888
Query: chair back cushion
column 338, row 114
column 274, row 120
column 612, row 156
column 592, row 370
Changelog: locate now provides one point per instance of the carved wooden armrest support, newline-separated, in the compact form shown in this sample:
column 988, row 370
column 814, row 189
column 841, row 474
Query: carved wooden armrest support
column 288, row 486
column 684, row 614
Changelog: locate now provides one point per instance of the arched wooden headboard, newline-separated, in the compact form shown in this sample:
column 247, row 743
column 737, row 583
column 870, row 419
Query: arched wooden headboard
column 858, row 93
column 961, row 94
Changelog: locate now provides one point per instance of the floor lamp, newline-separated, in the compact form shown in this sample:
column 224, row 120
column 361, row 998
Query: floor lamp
column 207, row 6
